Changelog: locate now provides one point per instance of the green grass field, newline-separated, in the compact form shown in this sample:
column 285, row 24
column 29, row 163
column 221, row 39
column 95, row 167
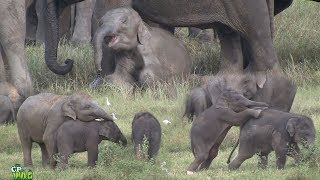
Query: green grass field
column 297, row 41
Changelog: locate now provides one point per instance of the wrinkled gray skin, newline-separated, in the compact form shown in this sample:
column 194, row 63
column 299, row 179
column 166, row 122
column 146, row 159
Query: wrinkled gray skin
column 82, row 27
column 251, row 20
column 10, row 101
column 51, row 9
column 274, row 131
column 278, row 92
column 78, row 136
column 144, row 124
column 40, row 116
column 210, row 127
column 12, row 37
column 142, row 54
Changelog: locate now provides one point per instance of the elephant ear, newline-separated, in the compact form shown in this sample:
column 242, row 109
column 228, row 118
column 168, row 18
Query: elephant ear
column 68, row 110
column 290, row 127
column 143, row 33
column 103, row 131
column 222, row 102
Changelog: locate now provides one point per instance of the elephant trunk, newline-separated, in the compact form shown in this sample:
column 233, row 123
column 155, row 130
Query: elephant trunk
column 100, row 113
column 99, row 36
column 52, row 39
column 123, row 140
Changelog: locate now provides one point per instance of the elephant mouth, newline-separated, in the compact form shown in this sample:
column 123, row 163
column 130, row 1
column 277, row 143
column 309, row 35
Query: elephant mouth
column 111, row 40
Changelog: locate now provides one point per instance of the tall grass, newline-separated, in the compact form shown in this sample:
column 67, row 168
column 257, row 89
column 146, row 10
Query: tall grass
column 297, row 41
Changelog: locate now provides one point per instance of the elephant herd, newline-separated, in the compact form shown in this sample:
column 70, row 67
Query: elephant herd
column 133, row 47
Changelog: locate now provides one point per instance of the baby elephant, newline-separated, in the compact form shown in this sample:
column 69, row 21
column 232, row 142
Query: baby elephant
column 146, row 125
column 129, row 52
column 274, row 130
column 79, row 136
column 211, row 127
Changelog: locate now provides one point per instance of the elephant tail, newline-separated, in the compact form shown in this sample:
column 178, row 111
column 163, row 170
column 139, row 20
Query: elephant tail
column 189, row 108
column 234, row 148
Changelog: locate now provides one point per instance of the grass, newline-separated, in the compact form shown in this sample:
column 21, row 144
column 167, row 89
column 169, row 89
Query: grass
column 297, row 41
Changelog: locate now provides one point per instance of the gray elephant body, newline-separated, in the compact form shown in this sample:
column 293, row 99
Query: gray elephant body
column 142, row 54
column 40, row 116
column 78, row 136
column 12, row 38
column 10, row 102
column 145, row 125
column 251, row 20
column 211, row 126
column 278, row 91
column 274, row 130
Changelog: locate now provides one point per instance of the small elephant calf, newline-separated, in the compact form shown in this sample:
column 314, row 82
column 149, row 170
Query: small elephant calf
column 211, row 127
column 79, row 136
column 146, row 125
column 274, row 130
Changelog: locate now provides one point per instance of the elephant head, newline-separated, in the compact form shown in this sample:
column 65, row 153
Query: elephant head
column 110, row 131
column 301, row 130
column 120, row 29
column 52, row 9
column 236, row 101
column 81, row 107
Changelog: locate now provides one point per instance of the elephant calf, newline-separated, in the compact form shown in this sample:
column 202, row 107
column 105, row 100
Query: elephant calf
column 274, row 130
column 145, row 125
column 78, row 136
column 141, row 54
column 10, row 101
column 40, row 116
column 211, row 126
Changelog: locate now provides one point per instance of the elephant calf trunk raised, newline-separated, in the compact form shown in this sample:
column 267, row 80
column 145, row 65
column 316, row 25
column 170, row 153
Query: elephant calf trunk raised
column 141, row 54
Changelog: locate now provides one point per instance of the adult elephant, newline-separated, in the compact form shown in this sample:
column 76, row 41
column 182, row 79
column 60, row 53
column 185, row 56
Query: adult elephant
column 233, row 19
column 13, row 66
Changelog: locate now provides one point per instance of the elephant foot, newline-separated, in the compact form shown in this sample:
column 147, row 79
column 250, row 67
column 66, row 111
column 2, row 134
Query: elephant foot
column 96, row 82
column 190, row 172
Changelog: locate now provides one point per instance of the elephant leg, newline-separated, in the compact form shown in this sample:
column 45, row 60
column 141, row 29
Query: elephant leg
column 231, row 51
column 82, row 30
column 263, row 160
column 258, row 34
column 281, row 155
column 199, row 159
column 26, row 149
column 44, row 154
column 51, row 147
column 12, row 43
column 213, row 153
column 92, row 155
column 238, row 160
column 40, row 26
column 244, row 153
column 3, row 77
column 64, row 157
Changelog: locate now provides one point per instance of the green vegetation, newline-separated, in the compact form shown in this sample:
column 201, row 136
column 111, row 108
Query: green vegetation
column 297, row 40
